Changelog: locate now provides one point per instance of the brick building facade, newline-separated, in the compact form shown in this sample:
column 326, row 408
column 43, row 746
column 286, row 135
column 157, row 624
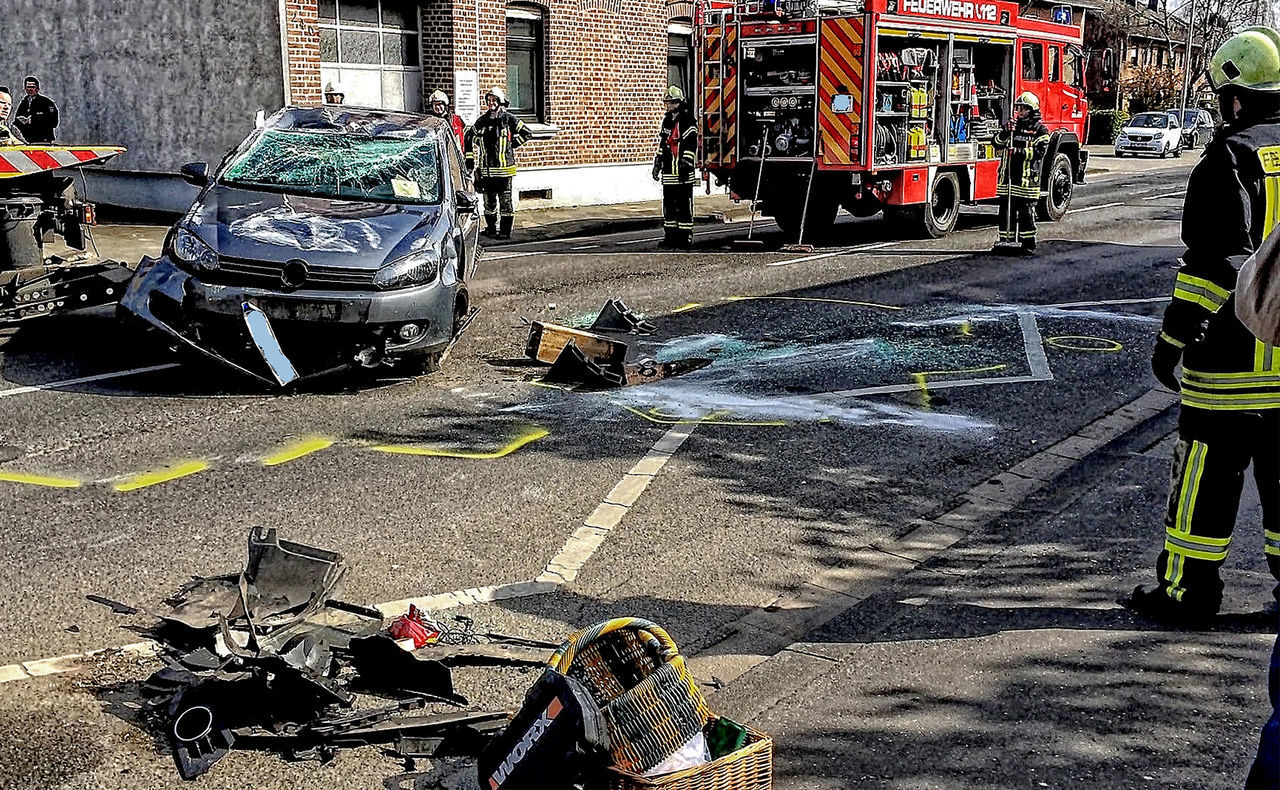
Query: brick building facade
column 586, row 75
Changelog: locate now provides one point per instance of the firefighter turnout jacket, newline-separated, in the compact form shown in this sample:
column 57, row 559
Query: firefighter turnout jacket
column 491, row 142
column 1022, row 151
column 677, row 148
column 1232, row 204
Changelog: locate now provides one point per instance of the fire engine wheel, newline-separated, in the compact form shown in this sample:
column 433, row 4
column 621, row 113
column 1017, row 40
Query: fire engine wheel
column 1053, row 206
column 822, row 215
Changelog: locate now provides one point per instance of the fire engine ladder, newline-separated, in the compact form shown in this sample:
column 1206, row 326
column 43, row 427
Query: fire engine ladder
column 713, row 62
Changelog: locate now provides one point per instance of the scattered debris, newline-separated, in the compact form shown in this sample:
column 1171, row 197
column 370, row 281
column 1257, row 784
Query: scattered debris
column 615, row 316
column 267, row 658
column 584, row 358
column 548, row 341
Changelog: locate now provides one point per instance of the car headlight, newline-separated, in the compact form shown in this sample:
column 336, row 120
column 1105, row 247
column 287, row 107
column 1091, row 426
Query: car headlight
column 190, row 248
column 413, row 269
column 1158, row 136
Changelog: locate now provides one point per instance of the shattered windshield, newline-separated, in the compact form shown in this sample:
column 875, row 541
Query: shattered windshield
column 326, row 164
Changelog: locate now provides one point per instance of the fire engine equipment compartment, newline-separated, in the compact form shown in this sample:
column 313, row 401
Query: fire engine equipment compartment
column 778, row 102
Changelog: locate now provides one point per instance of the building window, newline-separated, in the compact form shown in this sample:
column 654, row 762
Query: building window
column 371, row 48
column 680, row 57
column 1033, row 62
column 524, row 62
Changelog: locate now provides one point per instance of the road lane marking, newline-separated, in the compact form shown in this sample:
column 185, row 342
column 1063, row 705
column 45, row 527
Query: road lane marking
column 1094, row 208
column 39, row 480
column 658, row 417
column 298, row 449
column 837, row 253
column 685, row 308
column 855, row 303
column 1103, row 302
column 53, row 385
column 504, row 256
column 528, row 437
column 148, row 479
column 1170, row 194
column 584, row 247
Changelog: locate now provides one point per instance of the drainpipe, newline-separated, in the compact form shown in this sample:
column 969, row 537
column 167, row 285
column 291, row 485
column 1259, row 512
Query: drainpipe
column 284, row 54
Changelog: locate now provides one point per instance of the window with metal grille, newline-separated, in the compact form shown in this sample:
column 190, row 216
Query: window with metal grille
column 371, row 48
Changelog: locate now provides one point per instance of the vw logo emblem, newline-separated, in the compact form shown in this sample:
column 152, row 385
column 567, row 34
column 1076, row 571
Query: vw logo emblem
column 294, row 273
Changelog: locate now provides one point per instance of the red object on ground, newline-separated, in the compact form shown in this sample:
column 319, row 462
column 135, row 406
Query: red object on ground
column 416, row 626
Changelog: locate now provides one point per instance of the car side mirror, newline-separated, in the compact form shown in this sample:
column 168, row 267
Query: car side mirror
column 465, row 201
column 195, row 173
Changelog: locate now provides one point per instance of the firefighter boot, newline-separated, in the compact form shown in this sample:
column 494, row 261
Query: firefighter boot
column 504, row 227
column 490, row 226
column 1028, row 247
column 1153, row 604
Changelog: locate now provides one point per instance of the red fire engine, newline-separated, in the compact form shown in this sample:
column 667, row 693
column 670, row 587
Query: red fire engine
column 882, row 105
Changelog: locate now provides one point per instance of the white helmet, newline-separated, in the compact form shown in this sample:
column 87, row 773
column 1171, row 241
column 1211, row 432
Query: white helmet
column 499, row 94
column 438, row 96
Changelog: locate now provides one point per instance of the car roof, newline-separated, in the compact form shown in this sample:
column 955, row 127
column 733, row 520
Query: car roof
column 369, row 121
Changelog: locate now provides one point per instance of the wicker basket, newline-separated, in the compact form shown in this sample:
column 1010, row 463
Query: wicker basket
column 749, row 768
column 649, row 702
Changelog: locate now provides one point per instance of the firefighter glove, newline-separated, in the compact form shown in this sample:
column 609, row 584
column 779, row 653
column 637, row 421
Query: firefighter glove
column 657, row 168
column 1164, row 361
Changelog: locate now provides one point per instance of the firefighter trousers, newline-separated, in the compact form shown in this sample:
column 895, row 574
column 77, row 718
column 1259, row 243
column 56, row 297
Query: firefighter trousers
column 497, row 198
column 1018, row 220
column 1214, row 450
column 677, row 214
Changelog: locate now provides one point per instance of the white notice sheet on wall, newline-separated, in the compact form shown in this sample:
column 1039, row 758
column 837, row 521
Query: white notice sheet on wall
column 466, row 95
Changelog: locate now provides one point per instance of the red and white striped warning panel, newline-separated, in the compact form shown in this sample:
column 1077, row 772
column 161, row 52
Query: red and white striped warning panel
column 22, row 160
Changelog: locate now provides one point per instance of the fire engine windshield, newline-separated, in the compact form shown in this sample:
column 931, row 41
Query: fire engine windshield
column 788, row 65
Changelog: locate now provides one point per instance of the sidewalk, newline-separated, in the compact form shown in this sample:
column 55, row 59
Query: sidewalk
column 1004, row 662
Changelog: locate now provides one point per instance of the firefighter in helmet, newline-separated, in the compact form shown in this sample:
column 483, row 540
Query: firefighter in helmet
column 490, row 147
column 1022, row 144
column 438, row 105
column 1230, row 383
column 674, row 167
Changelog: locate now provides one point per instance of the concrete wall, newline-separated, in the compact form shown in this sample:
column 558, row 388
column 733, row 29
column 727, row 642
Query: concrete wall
column 173, row 80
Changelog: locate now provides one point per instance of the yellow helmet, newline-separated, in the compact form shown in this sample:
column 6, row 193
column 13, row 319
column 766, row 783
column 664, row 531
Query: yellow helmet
column 1249, row 60
column 1029, row 99
column 674, row 94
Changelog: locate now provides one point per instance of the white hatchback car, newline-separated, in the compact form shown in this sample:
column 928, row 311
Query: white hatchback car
column 1151, row 133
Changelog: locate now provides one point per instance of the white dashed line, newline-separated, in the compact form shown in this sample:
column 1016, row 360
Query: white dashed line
column 1094, row 208
column 835, row 254
column 53, row 385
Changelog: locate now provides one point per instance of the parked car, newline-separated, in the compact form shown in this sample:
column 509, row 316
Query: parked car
column 1151, row 133
column 332, row 236
column 1197, row 127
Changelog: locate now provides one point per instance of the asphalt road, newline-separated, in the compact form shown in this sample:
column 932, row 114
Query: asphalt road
column 853, row 390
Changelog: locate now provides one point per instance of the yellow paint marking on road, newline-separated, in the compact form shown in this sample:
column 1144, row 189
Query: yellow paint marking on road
column 713, row 418
column 146, row 479
column 528, row 437
column 298, row 449
column 876, row 305
column 966, row 329
column 38, row 480
column 1084, row 343
column 686, row 308
column 922, row 378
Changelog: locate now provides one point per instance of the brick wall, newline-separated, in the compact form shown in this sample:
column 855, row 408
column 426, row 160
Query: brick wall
column 302, row 38
column 605, row 69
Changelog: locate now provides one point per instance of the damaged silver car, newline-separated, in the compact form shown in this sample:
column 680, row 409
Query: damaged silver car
column 331, row 237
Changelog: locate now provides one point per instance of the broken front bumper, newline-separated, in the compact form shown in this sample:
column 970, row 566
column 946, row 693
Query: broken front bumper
column 181, row 305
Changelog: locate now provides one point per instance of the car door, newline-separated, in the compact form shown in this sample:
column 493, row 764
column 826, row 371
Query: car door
column 467, row 230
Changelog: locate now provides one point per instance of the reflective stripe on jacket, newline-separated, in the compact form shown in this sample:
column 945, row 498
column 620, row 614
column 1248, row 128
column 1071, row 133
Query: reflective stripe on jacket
column 1022, row 153
column 677, row 147
column 1232, row 204
column 491, row 143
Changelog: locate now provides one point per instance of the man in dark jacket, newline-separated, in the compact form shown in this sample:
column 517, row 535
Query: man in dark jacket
column 490, row 148
column 1022, row 144
column 8, row 135
column 674, row 167
column 37, row 115
column 1230, row 381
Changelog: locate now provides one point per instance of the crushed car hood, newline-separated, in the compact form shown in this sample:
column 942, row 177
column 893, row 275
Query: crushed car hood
column 271, row 226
